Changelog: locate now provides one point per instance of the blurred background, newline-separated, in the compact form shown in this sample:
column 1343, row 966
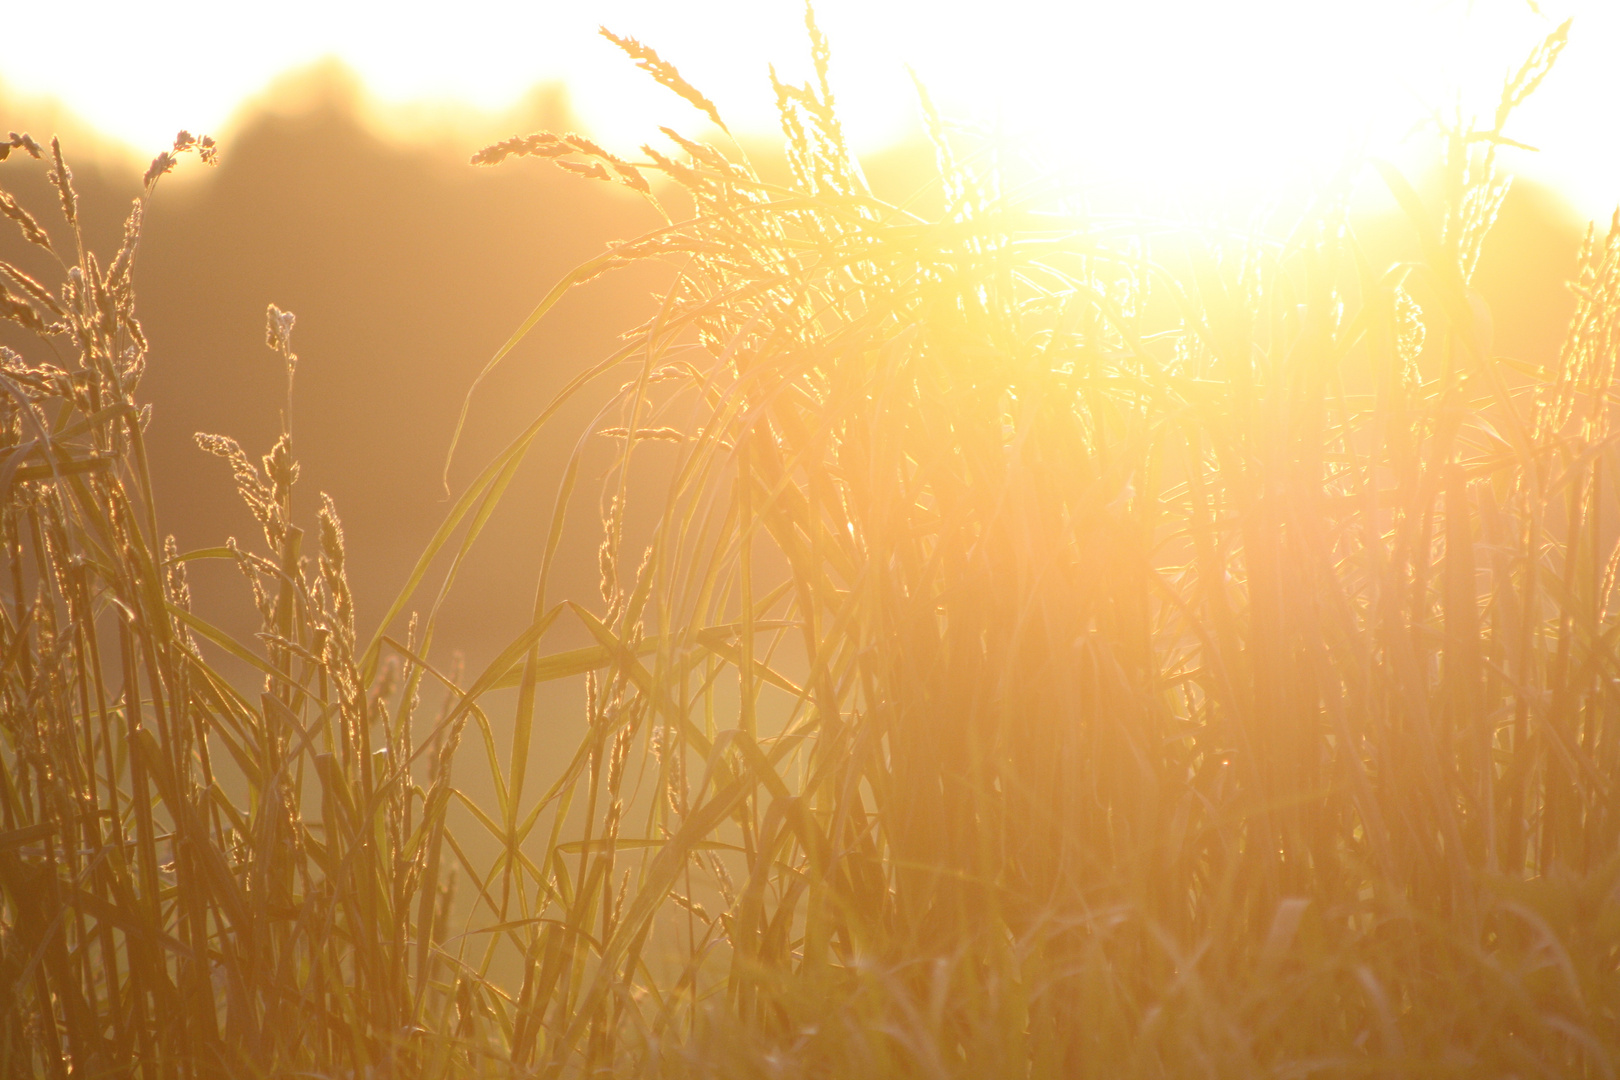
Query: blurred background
column 343, row 194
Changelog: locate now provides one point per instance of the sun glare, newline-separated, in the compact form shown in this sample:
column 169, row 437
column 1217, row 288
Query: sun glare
column 1174, row 93
column 1138, row 600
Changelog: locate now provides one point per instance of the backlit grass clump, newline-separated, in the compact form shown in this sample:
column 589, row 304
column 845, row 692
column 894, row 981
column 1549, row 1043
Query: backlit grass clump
column 1030, row 644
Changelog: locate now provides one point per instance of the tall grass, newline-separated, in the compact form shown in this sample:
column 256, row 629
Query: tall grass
column 1030, row 644
column 198, row 880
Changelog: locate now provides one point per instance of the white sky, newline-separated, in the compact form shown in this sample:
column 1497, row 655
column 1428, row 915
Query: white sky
column 1172, row 91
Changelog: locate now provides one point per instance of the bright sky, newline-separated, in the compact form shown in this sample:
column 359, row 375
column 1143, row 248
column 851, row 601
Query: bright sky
column 1162, row 91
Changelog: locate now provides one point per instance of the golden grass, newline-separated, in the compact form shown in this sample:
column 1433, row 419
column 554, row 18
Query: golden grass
column 1030, row 645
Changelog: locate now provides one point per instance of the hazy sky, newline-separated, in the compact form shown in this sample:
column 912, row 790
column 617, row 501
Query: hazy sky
column 1178, row 91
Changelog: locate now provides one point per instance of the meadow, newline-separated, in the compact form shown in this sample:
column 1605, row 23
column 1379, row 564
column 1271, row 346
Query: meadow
column 1030, row 640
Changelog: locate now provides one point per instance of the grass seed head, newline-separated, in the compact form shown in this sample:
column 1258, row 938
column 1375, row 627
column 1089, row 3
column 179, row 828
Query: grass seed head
column 665, row 74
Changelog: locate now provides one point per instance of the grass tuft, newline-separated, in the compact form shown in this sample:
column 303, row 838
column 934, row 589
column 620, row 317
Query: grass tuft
column 1029, row 644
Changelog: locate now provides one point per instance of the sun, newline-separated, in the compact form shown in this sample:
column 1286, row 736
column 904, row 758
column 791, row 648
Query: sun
column 1185, row 96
